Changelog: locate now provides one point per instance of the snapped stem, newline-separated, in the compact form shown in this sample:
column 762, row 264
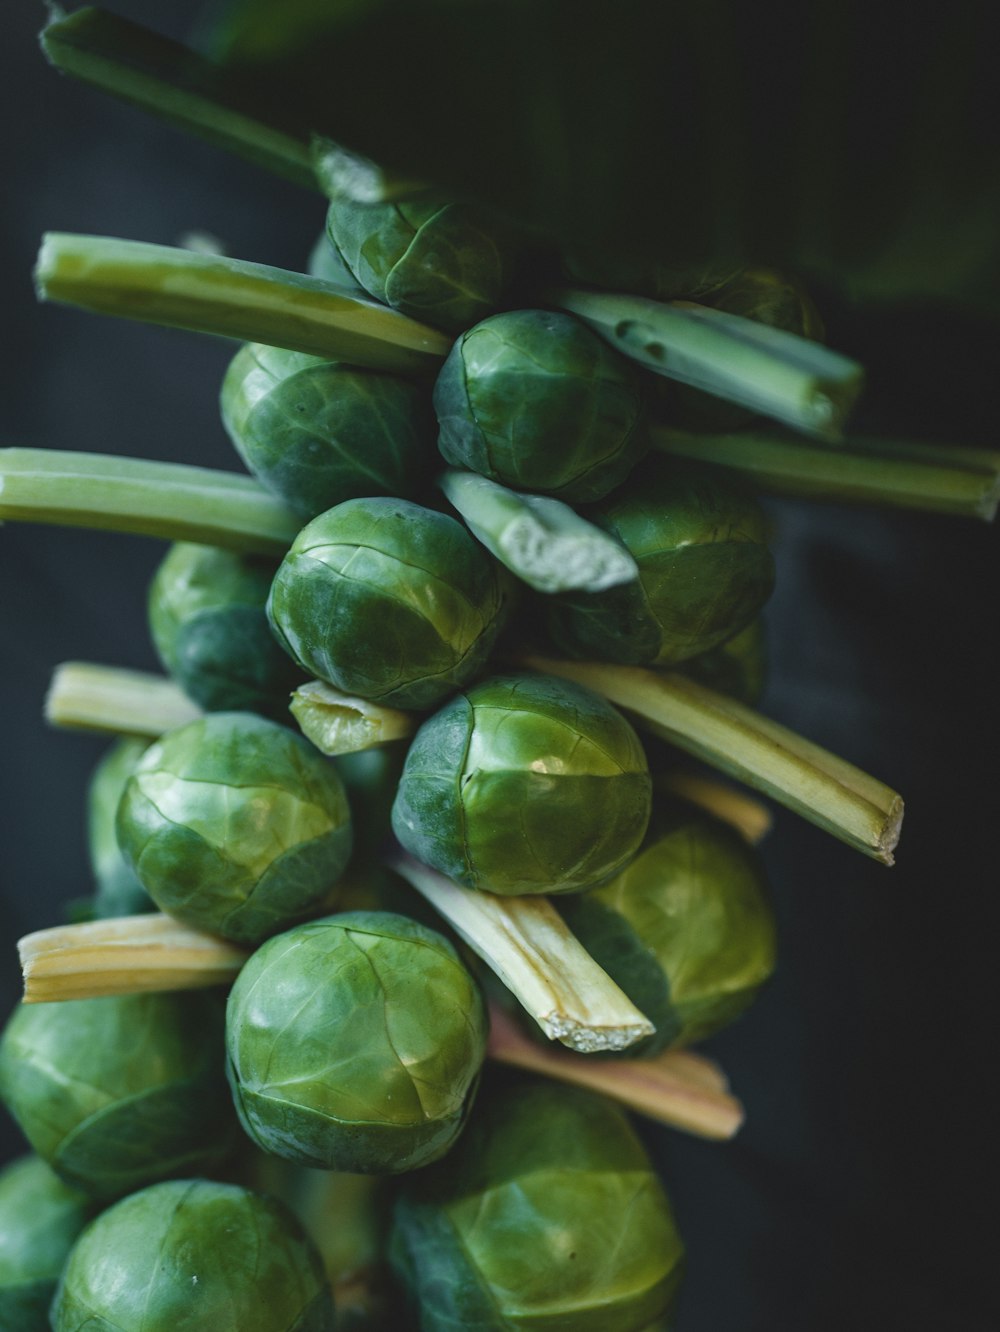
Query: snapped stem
column 526, row 943
column 85, row 696
column 211, row 293
column 826, row 790
column 898, row 473
column 157, row 499
column 339, row 723
column 779, row 374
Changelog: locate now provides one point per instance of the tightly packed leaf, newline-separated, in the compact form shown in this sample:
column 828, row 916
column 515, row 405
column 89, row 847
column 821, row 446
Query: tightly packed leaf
column 429, row 258
column 235, row 825
column 119, row 1092
column 318, row 432
column 40, row 1218
column 355, row 1043
column 524, row 784
column 704, row 569
column 388, row 600
column 194, row 1254
column 686, row 929
column 548, row 1214
column 210, row 630
column 536, row 401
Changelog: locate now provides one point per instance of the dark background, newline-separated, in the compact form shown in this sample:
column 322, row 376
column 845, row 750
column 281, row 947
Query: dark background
column 854, row 1197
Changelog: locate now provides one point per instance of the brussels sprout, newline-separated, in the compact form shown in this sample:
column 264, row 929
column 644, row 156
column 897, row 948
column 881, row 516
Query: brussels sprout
column 235, row 825
column 686, row 929
column 39, row 1220
column 704, row 569
column 548, row 1214
column 119, row 892
column 388, row 600
column 355, row 1043
column 537, row 401
column 431, row 259
column 737, row 667
column 191, row 1254
column 317, row 432
column 326, row 262
column 209, row 627
column 115, row 1093
column 524, row 784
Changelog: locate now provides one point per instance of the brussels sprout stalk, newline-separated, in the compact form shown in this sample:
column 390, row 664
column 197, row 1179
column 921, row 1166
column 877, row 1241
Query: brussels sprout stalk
column 826, row 790
column 126, row 955
column 751, row 818
column 779, row 374
column 542, row 541
column 339, row 723
column 85, row 696
column 156, row 499
column 900, row 474
column 524, row 940
column 209, row 293
column 673, row 1090
column 174, row 83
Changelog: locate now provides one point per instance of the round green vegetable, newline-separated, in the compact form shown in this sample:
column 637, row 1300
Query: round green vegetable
column 235, row 825
column 115, row 1093
column 191, row 1254
column 436, row 261
column 119, row 892
column 686, row 929
column 536, row 401
column 39, row 1220
column 524, row 784
column 355, row 1043
column 547, row 1215
column 388, row 600
column 705, row 571
column 210, row 629
column 318, row 432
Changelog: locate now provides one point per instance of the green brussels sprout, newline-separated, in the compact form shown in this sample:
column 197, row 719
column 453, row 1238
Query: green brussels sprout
column 119, row 892
column 235, row 825
column 704, row 569
column 548, row 1214
column 536, row 401
column 191, row 1254
column 524, row 784
column 115, row 1093
column 209, row 627
column 40, row 1219
column 738, row 666
column 686, row 929
column 317, row 432
column 355, row 1043
column 387, row 600
column 436, row 261
column 326, row 262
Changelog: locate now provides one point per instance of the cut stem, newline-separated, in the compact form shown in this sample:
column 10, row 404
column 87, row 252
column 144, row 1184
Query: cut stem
column 175, row 84
column 211, row 293
column 673, row 1088
column 85, row 696
column 127, row 955
column 826, row 790
column 546, row 968
column 541, row 541
column 897, row 473
column 779, row 374
column 169, row 500
column 339, row 723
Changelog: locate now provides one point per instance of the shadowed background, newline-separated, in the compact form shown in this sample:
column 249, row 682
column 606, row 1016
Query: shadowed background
column 853, row 1197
